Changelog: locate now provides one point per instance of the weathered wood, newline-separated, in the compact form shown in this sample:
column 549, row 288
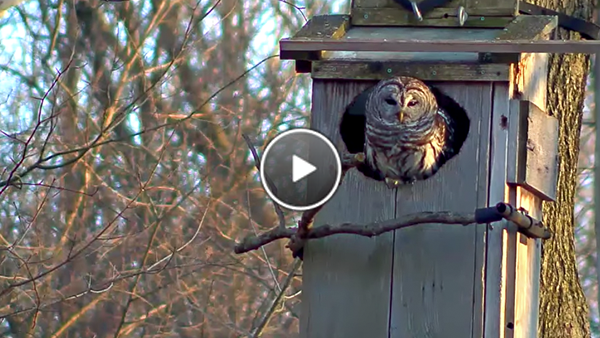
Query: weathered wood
column 510, row 273
column 523, row 268
column 523, row 27
column 437, row 271
column 452, row 4
column 421, row 33
column 529, row 83
column 496, row 240
column 320, row 26
column 540, row 172
column 378, row 9
column 439, row 17
column 331, row 26
column 529, row 27
column 442, row 46
column 386, row 33
column 535, row 152
column 437, row 71
column 346, row 278
column 424, row 33
column 527, row 273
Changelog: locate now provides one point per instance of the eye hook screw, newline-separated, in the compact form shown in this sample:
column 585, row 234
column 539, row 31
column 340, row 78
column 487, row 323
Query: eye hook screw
column 416, row 10
column 462, row 15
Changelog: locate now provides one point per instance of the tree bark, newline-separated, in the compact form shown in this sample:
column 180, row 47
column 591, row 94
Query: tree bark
column 563, row 307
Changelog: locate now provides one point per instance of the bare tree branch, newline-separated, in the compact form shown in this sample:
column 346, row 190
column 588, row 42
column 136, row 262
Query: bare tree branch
column 276, row 302
column 278, row 209
column 367, row 230
column 480, row 216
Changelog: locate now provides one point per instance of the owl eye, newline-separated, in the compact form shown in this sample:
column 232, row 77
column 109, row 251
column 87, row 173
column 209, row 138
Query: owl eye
column 413, row 103
column 391, row 102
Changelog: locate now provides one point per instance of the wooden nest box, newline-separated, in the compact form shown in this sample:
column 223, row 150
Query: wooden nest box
column 433, row 280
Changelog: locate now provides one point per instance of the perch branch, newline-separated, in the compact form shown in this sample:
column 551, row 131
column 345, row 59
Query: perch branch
column 531, row 227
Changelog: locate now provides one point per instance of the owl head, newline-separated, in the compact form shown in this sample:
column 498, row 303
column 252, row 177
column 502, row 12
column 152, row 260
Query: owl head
column 401, row 100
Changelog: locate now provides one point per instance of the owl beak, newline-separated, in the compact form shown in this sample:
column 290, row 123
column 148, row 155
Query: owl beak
column 408, row 98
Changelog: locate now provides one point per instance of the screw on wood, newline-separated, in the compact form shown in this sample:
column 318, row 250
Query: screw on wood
column 462, row 15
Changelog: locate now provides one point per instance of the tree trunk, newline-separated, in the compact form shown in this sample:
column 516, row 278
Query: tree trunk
column 563, row 307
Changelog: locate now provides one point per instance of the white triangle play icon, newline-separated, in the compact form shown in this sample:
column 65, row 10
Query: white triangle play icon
column 301, row 168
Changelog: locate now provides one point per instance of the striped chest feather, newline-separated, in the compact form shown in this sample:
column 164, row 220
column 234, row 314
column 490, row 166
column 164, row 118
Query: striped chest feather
column 409, row 154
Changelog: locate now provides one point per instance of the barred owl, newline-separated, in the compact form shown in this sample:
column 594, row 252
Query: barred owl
column 405, row 129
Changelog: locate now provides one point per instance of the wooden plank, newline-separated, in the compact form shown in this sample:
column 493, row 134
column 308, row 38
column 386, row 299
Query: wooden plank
column 437, row 279
column 388, row 12
column 327, row 26
column 421, row 33
column 528, row 27
column 534, row 257
column 320, row 26
column 377, row 70
column 523, row 27
column 453, row 46
column 438, row 17
column 372, row 3
column 529, row 83
column 530, row 78
column 527, row 273
column 418, row 57
column 510, row 5
column 473, row 4
column 510, row 270
column 346, row 278
column 496, row 240
column 477, row 9
column 536, row 151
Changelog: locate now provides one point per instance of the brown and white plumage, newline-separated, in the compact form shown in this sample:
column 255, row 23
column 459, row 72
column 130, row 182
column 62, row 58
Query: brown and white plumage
column 410, row 130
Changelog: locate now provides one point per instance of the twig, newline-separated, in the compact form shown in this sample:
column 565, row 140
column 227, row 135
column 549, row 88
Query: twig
column 278, row 210
column 267, row 316
column 13, row 176
column 298, row 8
column 264, row 252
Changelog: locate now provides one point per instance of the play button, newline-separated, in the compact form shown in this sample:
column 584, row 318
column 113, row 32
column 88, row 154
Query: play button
column 300, row 169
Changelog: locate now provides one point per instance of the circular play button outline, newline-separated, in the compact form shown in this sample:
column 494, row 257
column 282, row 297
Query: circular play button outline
column 338, row 165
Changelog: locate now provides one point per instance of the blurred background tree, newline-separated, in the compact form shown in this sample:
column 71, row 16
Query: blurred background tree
column 585, row 243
